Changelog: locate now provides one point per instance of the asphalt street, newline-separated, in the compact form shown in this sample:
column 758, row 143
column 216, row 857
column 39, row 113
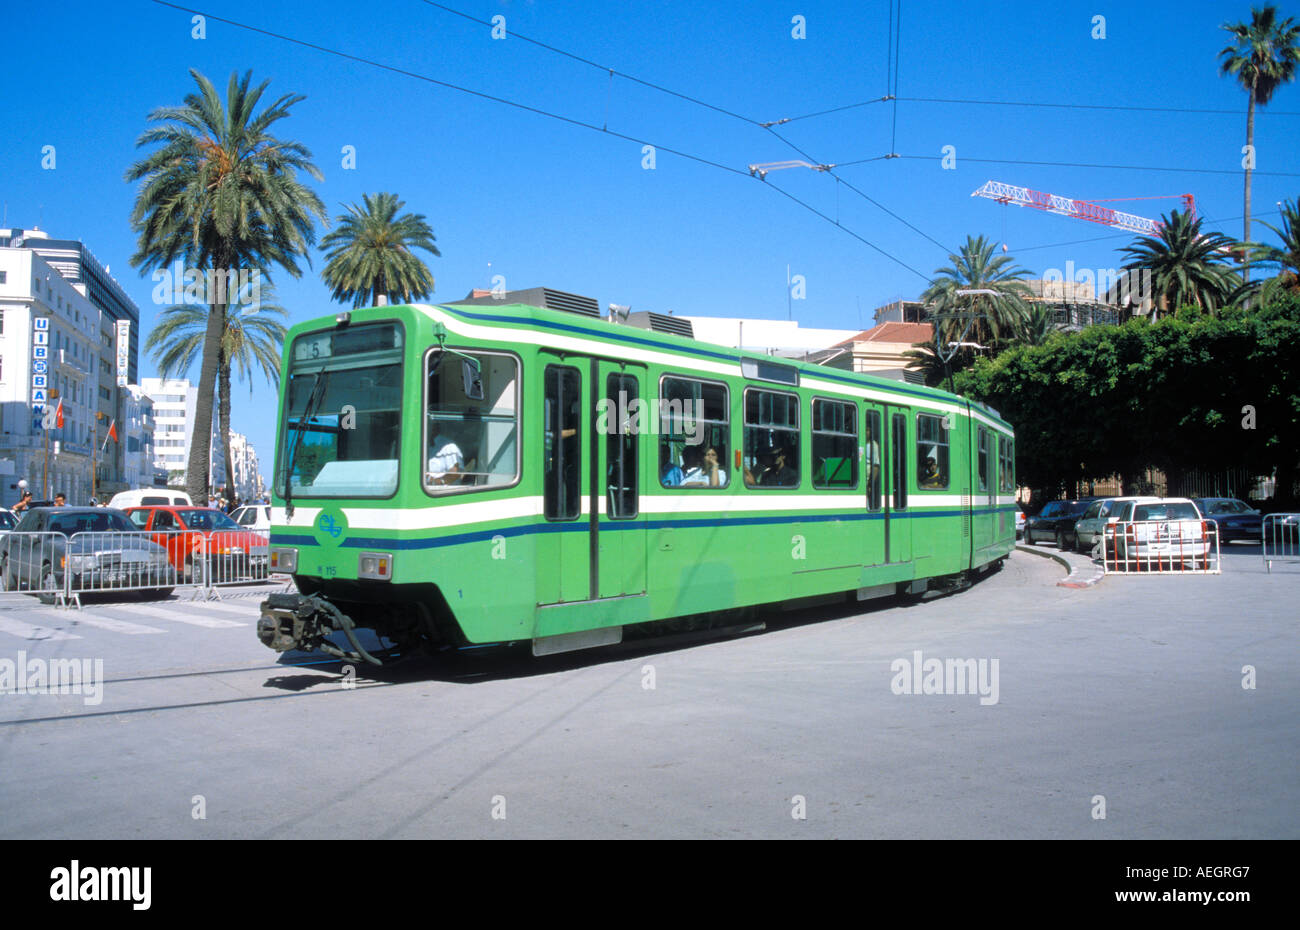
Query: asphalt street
column 1143, row 707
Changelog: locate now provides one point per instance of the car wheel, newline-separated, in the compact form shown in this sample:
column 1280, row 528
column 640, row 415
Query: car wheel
column 1060, row 540
column 4, row 575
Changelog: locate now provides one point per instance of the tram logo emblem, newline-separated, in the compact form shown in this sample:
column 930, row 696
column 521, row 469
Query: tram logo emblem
column 326, row 524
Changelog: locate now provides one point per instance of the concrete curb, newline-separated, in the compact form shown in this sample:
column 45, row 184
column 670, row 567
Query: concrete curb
column 1082, row 575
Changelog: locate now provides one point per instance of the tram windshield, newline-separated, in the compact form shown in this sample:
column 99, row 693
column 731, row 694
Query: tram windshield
column 342, row 427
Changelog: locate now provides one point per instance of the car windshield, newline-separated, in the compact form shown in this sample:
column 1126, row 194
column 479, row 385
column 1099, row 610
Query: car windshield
column 7, row 521
column 1231, row 506
column 100, row 522
column 1172, row 511
column 207, row 520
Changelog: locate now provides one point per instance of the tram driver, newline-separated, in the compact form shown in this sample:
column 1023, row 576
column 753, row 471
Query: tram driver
column 447, row 461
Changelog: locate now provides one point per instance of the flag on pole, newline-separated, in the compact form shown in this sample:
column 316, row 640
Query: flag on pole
column 58, row 415
column 112, row 432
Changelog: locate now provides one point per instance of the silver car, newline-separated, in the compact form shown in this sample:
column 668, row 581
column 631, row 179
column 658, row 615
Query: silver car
column 1089, row 530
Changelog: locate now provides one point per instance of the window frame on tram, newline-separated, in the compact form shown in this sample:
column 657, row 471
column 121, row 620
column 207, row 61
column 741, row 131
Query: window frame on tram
column 755, row 430
column 856, row 437
column 667, row 437
column 443, row 490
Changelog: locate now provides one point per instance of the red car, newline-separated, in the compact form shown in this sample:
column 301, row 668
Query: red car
column 187, row 532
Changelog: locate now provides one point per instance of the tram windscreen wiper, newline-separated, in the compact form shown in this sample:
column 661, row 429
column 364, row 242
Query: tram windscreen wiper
column 317, row 392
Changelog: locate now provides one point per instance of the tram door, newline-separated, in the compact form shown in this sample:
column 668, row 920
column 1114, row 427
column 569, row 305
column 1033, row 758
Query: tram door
column 622, row 424
column 984, row 500
column 894, row 466
column 873, row 469
column 564, row 549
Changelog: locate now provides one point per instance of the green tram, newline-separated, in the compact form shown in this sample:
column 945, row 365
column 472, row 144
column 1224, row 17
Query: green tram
column 492, row 471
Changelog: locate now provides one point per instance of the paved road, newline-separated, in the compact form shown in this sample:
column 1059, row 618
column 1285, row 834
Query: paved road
column 1129, row 691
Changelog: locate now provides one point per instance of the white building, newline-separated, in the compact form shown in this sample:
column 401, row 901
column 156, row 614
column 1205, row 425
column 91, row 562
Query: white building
column 136, row 434
column 56, row 305
column 174, row 401
column 775, row 337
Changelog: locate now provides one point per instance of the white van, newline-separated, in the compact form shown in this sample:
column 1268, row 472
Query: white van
column 145, row 497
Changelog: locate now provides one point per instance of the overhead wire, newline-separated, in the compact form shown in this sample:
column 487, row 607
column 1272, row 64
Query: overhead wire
column 531, row 109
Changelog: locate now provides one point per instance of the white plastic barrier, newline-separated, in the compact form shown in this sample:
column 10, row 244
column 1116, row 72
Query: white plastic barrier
column 33, row 563
column 1183, row 546
column 1281, row 541
column 99, row 562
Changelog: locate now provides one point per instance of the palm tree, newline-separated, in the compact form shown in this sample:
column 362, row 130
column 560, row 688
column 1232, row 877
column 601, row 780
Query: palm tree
column 923, row 359
column 1187, row 267
column 1262, row 57
column 221, row 194
column 998, row 316
column 1287, row 256
column 1040, row 322
column 372, row 260
column 253, row 342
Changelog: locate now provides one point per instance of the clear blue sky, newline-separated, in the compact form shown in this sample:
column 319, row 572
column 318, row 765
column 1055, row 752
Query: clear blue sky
column 544, row 202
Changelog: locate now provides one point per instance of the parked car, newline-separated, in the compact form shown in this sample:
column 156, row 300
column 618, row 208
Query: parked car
column 7, row 520
column 1020, row 520
column 146, row 497
column 1166, row 529
column 253, row 517
column 1236, row 518
column 1089, row 529
column 1055, row 522
column 99, row 547
column 185, row 531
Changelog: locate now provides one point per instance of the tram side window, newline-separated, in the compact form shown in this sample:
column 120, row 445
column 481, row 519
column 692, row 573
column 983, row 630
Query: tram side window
column 834, row 444
column 620, row 447
column 562, row 443
column 931, row 452
column 984, row 458
column 1007, row 462
column 871, row 458
column 694, row 433
column 470, row 443
column 771, row 439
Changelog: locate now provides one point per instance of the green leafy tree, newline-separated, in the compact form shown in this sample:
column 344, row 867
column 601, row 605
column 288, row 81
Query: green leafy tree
column 221, row 194
column 1262, row 57
column 1188, row 267
column 370, row 255
column 252, row 344
column 998, row 317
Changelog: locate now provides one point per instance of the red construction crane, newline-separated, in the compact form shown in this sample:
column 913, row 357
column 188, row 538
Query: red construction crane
column 1079, row 209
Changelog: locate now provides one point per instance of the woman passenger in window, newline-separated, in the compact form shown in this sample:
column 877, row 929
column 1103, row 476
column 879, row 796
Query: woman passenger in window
column 708, row 474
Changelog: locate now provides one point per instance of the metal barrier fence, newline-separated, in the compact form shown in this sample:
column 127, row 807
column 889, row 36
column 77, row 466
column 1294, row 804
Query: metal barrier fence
column 1184, row 546
column 1281, row 540
column 64, row 567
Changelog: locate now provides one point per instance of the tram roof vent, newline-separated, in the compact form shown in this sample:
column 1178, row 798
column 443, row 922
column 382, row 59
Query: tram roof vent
column 662, row 323
column 544, row 297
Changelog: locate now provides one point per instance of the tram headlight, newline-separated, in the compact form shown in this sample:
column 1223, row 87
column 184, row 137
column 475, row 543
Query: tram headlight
column 284, row 560
column 377, row 565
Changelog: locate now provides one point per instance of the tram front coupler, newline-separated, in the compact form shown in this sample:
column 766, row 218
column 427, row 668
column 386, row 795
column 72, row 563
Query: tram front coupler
column 303, row 621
